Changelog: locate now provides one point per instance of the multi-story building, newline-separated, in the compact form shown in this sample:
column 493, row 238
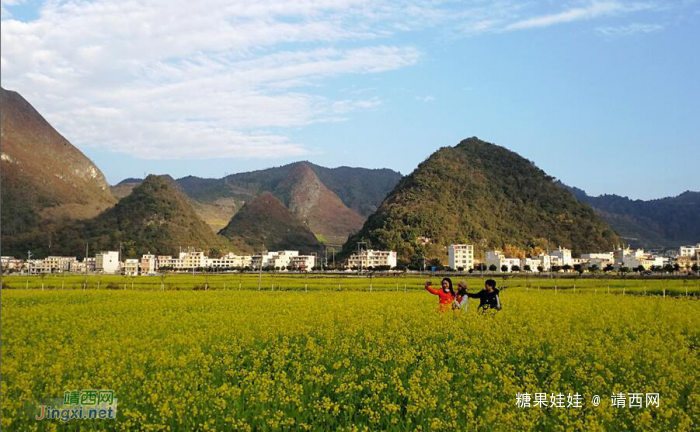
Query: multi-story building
column 645, row 260
column 59, row 264
column 600, row 260
column 80, row 266
column 131, row 267
column 532, row 264
column 303, row 262
column 231, row 260
column 283, row 259
column 278, row 260
column 579, row 261
column 191, row 260
column 461, row 257
column 9, row 263
column 148, row 264
column 372, row 259
column 165, row 261
column 498, row 259
column 561, row 257
column 689, row 251
column 107, row 262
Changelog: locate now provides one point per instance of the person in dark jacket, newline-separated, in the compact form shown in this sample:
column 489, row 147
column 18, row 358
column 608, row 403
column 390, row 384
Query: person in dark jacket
column 488, row 296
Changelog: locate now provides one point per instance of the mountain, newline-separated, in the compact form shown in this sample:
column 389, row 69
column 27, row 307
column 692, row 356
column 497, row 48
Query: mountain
column 482, row 194
column 156, row 217
column 336, row 200
column 660, row 223
column 45, row 179
column 317, row 206
column 360, row 189
column 266, row 222
column 216, row 213
column 124, row 187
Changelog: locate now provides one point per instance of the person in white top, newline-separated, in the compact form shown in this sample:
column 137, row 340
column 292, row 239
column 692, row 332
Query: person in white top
column 460, row 301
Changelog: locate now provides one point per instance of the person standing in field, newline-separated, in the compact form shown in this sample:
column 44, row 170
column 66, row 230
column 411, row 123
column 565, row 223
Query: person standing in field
column 461, row 298
column 488, row 296
column 446, row 293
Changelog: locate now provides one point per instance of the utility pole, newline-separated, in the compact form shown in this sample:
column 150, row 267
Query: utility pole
column 87, row 251
column 359, row 257
column 29, row 268
column 260, row 269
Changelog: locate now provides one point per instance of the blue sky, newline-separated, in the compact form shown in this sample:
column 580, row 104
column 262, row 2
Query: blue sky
column 603, row 95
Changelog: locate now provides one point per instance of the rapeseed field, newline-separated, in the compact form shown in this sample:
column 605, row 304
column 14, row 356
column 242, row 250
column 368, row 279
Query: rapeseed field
column 349, row 361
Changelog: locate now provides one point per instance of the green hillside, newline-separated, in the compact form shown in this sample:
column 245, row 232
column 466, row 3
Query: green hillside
column 156, row 217
column 482, row 194
column 660, row 223
column 266, row 223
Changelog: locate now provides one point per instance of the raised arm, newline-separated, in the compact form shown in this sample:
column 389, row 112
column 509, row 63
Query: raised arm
column 430, row 289
column 477, row 295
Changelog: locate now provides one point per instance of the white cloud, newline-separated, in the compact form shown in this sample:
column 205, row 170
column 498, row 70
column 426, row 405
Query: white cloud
column 214, row 78
column 426, row 98
column 590, row 10
column 629, row 30
column 182, row 79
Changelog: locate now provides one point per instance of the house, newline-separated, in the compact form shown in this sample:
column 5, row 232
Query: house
column 107, row 262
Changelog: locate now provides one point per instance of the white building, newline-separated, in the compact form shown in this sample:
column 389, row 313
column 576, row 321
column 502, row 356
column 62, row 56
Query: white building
column 583, row 262
column 279, row 260
column 689, row 251
column 601, row 259
column 80, row 267
column 9, row 263
column 59, row 264
column 372, row 258
column 561, row 257
column 191, row 260
column 303, row 262
column 148, row 264
column 131, row 267
column 107, row 262
column 461, row 257
column 645, row 260
column 498, row 259
column 165, row 261
column 534, row 264
column 231, row 260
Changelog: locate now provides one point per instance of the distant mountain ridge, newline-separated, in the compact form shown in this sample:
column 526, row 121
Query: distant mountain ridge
column 330, row 201
column 660, row 223
column 482, row 194
column 360, row 189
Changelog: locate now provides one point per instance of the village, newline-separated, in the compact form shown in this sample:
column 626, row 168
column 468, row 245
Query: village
column 460, row 258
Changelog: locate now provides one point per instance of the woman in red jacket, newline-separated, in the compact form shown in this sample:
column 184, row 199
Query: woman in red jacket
column 446, row 294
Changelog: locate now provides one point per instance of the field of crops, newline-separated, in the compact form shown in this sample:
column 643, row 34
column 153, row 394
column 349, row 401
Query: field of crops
column 328, row 360
column 673, row 286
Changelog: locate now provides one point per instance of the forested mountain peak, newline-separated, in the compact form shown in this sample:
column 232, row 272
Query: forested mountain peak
column 483, row 194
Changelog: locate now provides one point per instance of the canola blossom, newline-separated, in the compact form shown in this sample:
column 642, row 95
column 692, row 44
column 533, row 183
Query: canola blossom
column 348, row 361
